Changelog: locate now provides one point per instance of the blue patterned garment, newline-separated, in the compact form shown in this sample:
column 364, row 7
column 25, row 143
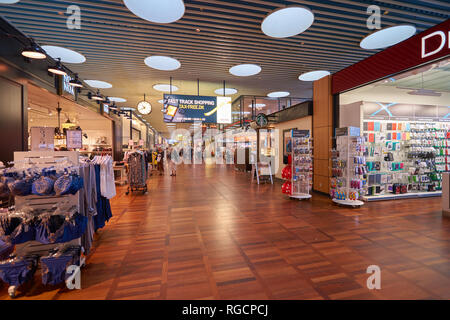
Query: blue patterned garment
column 54, row 268
column 18, row 272
column 5, row 250
column 14, row 230
column 21, row 187
column 56, row 229
column 43, row 186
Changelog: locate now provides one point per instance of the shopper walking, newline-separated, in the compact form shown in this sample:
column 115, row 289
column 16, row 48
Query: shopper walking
column 160, row 161
column 172, row 158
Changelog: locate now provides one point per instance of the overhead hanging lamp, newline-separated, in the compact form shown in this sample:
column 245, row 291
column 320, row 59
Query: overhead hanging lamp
column 76, row 82
column 58, row 68
column 96, row 96
column 34, row 52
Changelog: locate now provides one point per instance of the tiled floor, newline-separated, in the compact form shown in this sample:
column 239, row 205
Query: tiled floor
column 211, row 234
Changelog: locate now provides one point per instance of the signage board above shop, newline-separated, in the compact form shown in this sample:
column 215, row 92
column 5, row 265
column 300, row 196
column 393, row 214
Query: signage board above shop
column 188, row 108
column 427, row 46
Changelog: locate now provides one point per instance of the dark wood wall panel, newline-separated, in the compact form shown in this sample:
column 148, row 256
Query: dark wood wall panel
column 13, row 126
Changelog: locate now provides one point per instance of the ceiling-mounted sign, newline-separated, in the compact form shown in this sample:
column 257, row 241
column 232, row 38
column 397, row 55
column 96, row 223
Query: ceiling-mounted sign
column 66, row 85
column 105, row 108
column 187, row 108
column 223, row 109
column 262, row 120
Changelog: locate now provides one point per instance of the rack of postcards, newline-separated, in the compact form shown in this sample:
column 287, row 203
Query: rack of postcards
column 349, row 171
column 301, row 177
column 406, row 158
column 45, row 225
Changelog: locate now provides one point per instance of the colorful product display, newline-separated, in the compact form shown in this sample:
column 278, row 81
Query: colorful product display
column 301, row 176
column 405, row 156
column 349, row 169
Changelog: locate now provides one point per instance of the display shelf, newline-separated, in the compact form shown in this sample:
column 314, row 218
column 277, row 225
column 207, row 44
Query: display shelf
column 301, row 176
column 352, row 203
column 410, row 155
column 301, row 196
column 391, row 196
column 348, row 183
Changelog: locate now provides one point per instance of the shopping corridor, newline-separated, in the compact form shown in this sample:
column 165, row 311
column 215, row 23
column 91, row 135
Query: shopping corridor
column 209, row 233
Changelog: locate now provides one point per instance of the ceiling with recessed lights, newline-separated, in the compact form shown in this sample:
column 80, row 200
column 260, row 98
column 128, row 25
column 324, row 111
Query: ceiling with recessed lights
column 211, row 37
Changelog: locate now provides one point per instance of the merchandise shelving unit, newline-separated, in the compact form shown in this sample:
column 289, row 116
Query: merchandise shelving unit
column 420, row 147
column 301, row 177
column 44, row 159
column 348, row 167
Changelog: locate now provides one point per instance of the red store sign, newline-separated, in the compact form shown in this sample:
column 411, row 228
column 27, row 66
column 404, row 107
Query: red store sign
column 424, row 47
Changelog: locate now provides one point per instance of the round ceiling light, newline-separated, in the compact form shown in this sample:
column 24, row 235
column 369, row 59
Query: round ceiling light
column 162, row 63
column 34, row 52
column 278, row 94
column 117, row 99
column 144, row 107
column 164, row 87
column 287, row 22
column 158, row 11
column 98, row 84
column 245, row 70
column 313, row 75
column 387, row 37
column 228, row 91
column 66, row 55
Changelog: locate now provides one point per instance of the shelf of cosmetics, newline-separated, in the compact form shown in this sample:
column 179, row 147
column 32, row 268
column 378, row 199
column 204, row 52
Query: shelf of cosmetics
column 40, row 182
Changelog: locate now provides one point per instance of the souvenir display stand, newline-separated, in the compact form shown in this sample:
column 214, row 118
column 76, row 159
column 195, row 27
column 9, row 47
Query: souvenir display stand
column 45, row 159
column 348, row 182
column 301, row 167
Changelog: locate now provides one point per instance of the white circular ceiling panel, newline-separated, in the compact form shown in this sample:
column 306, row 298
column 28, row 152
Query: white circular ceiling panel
column 313, row 75
column 278, row 94
column 66, row 55
column 98, row 84
column 387, row 37
column 287, row 22
column 245, row 70
column 162, row 63
column 228, row 91
column 159, row 11
column 164, row 87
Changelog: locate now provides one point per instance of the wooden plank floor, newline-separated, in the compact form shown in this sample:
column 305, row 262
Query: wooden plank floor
column 211, row 234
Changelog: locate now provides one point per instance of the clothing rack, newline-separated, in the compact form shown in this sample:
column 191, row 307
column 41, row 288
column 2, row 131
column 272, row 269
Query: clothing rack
column 43, row 159
column 137, row 171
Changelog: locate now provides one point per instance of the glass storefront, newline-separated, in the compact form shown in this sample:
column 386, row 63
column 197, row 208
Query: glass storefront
column 405, row 120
